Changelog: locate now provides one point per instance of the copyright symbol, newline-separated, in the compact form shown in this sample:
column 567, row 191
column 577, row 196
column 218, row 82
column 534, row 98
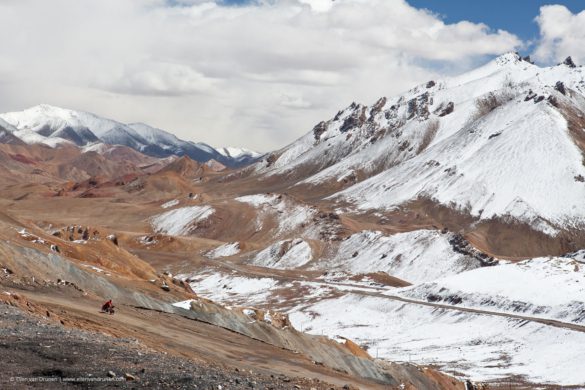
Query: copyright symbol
column 11, row 379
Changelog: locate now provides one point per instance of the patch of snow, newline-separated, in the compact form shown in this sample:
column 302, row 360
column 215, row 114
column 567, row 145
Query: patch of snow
column 34, row 239
column 287, row 254
column 10, row 128
column 147, row 240
column 98, row 147
column 184, row 304
column 96, row 269
column 225, row 250
column 179, row 221
column 170, row 203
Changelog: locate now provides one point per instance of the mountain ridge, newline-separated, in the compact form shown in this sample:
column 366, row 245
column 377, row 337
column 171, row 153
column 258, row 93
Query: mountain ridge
column 400, row 149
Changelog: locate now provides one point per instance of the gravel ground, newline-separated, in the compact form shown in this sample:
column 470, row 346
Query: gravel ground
column 37, row 353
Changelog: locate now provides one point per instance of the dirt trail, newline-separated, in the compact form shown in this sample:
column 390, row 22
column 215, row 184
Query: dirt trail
column 40, row 353
column 192, row 339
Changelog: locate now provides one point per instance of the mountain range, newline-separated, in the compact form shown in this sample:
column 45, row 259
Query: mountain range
column 54, row 126
column 439, row 229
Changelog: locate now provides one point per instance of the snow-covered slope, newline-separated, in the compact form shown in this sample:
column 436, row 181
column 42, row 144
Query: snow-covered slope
column 551, row 288
column 6, row 133
column 39, row 123
column 290, row 214
column 7, row 126
column 181, row 221
column 472, row 345
column 504, row 140
column 418, row 256
column 53, row 125
column 159, row 142
column 285, row 254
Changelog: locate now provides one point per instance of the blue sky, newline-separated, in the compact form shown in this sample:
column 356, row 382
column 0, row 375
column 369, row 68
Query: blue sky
column 515, row 16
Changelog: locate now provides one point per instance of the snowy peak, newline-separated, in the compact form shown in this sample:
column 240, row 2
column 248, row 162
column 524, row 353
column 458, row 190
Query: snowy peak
column 51, row 118
column 509, row 59
column 501, row 141
column 54, row 125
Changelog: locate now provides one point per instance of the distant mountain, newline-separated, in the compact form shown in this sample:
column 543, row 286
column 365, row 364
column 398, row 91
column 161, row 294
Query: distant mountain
column 54, row 126
column 244, row 156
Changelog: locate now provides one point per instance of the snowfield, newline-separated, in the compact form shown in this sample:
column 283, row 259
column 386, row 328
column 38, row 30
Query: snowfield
column 180, row 221
column 478, row 346
column 170, row 203
column 231, row 290
column 417, row 256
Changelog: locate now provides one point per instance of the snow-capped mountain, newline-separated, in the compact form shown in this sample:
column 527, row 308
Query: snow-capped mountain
column 503, row 141
column 54, row 126
column 244, row 156
column 230, row 151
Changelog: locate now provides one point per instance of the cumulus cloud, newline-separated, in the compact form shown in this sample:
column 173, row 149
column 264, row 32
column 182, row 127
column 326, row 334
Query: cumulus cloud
column 257, row 75
column 561, row 34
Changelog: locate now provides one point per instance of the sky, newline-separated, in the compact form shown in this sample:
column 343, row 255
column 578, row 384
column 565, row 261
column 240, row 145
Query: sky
column 516, row 16
column 258, row 73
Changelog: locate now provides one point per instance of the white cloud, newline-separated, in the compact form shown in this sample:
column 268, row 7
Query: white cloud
column 294, row 101
column 561, row 34
column 158, row 78
column 257, row 76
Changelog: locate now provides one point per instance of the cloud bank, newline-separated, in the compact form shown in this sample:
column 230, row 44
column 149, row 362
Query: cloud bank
column 257, row 75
